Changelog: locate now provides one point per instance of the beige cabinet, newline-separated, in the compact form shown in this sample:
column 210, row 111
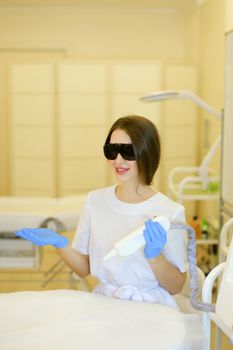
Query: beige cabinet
column 59, row 114
column 180, row 125
column 82, row 114
column 32, row 129
column 228, row 15
column 129, row 82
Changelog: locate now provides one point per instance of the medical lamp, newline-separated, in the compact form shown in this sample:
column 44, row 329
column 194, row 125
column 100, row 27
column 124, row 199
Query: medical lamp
column 188, row 95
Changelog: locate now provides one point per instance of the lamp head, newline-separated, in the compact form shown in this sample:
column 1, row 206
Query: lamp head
column 160, row 96
column 181, row 94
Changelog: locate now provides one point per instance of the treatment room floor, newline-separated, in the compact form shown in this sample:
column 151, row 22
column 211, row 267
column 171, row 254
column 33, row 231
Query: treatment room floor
column 12, row 280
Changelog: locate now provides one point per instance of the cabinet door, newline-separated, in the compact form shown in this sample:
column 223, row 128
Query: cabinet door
column 180, row 120
column 4, row 154
column 129, row 82
column 32, row 129
column 82, row 119
column 227, row 144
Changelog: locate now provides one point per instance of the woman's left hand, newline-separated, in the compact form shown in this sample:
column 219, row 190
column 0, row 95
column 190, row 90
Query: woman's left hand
column 155, row 237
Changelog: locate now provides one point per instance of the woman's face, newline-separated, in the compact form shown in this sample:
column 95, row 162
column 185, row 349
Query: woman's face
column 124, row 170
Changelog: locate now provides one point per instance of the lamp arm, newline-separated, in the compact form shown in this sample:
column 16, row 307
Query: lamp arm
column 203, row 171
column 181, row 94
column 201, row 103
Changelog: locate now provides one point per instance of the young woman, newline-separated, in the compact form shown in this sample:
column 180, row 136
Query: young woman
column 153, row 273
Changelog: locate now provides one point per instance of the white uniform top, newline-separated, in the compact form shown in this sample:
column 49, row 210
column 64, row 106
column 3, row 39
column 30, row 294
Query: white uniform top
column 104, row 220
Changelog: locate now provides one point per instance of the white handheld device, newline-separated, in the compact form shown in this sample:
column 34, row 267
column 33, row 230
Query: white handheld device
column 135, row 240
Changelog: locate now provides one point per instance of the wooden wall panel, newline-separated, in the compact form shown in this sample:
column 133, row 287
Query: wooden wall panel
column 129, row 82
column 60, row 114
column 180, row 123
column 82, row 119
column 32, row 125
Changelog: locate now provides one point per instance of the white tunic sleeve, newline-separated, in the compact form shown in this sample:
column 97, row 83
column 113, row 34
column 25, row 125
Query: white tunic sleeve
column 81, row 238
column 175, row 249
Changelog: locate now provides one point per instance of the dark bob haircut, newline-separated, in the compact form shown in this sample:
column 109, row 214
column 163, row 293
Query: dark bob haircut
column 146, row 144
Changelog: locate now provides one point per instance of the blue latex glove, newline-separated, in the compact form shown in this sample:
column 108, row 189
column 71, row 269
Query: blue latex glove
column 155, row 237
column 43, row 236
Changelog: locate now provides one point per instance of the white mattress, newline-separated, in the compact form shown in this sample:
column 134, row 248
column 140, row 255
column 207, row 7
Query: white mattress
column 19, row 212
column 65, row 319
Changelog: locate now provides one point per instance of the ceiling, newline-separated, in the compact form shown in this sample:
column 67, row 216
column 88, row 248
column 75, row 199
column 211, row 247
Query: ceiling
column 173, row 4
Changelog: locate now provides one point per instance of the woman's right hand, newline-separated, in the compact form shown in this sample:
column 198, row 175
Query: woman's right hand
column 43, row 236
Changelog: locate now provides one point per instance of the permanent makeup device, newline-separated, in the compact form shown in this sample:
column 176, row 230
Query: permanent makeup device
column 135, row 240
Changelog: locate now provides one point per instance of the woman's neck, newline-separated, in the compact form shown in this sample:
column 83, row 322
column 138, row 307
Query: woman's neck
column 134, row 193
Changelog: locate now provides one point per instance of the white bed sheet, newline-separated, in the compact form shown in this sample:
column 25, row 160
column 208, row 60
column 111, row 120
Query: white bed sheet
column 19, row 212
column 76, row 320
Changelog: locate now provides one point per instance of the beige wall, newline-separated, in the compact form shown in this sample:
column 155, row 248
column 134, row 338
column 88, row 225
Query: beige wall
column 211, row 78
column 168, row 36
column 192, row 36
column 228, row 15
column 98, row 32
column 109, row 35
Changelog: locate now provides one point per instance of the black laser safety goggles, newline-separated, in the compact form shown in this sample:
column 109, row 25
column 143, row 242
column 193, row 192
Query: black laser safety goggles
column 126, row 150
